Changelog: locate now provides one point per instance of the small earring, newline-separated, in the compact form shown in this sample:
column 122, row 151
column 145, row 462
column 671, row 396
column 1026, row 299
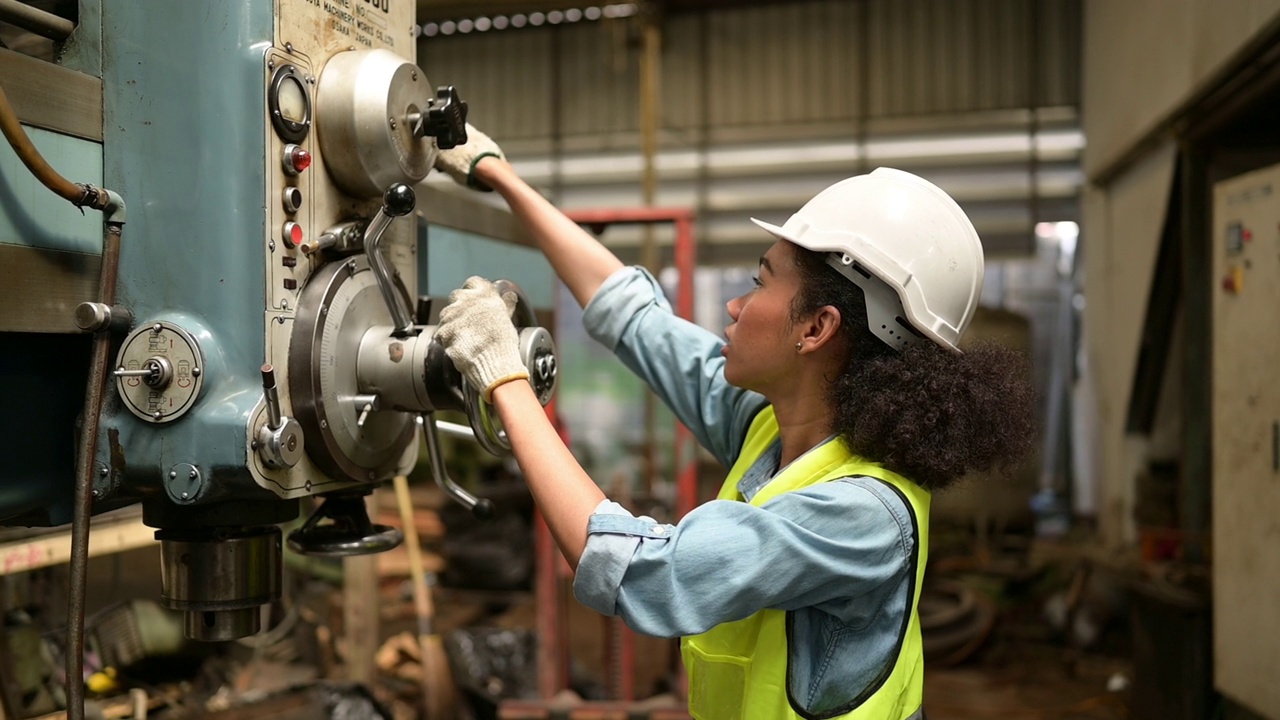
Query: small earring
column 799, row 345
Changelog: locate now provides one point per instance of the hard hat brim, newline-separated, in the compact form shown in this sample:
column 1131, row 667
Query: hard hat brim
column 897, row 289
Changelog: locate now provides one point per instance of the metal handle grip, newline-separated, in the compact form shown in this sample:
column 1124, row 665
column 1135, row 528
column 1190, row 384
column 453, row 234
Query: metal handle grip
column 480, row 507
column 398, row 200
column 271, row 397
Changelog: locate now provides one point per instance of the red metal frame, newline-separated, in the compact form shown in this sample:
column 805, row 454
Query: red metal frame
column 552, row 570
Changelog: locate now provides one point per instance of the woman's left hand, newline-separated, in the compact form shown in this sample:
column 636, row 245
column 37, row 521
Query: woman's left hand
column 479, row 337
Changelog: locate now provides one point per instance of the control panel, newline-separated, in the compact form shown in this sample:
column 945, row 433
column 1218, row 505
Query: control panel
column 1245, row 422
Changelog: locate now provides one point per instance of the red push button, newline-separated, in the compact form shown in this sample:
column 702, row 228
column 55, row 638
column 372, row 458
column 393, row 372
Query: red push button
column 291, row 234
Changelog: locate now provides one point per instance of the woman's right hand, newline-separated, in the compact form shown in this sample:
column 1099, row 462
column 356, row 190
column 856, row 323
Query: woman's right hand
column 460, row 162
column 478, row 336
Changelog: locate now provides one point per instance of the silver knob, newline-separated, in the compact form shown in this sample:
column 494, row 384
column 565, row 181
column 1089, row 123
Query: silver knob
column 95, row 316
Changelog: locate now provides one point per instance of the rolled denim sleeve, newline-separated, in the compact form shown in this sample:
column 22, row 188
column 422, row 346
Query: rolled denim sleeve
column 841, row 547
column 678, row 359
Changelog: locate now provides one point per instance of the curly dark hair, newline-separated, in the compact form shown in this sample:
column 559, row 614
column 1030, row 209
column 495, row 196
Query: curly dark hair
column 926, row 413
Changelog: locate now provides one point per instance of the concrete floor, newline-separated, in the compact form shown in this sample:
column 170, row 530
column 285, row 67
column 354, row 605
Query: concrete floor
column 1042, row 685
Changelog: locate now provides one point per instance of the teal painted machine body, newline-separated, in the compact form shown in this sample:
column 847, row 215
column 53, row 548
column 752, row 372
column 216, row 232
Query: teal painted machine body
column 188, row 141
column 183, row 143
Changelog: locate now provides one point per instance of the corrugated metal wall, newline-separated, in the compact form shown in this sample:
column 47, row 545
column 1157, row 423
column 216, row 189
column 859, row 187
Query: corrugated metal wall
column 763, row 106
column 788, row 66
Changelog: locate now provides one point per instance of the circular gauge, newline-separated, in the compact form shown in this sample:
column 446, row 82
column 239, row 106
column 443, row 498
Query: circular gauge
column 289, row 104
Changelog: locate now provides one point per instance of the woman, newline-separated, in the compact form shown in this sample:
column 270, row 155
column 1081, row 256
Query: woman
column 837, row 397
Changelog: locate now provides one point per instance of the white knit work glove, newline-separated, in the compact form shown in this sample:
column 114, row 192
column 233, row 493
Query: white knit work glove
column 460, row 162
column 479, row 337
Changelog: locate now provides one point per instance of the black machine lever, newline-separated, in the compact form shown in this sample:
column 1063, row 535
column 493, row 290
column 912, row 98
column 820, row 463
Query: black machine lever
column 446, row 120
column 397, row 201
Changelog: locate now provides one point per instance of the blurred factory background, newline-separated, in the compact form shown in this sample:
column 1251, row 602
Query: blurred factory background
column 1119, row 159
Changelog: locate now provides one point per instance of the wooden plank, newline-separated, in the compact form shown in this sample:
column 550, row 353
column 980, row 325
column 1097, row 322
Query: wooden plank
column 43, row 287
column 54, row 549
column 360, row 607
column 51, row 96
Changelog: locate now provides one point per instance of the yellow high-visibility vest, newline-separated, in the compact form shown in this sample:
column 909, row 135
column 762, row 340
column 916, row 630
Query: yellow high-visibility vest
column 738, row 670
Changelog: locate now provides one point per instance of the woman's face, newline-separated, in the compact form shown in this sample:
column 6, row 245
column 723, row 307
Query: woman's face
column 761, row 354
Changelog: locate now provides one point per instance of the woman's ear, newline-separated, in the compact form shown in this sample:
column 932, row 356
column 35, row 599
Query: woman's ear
column 820, row 329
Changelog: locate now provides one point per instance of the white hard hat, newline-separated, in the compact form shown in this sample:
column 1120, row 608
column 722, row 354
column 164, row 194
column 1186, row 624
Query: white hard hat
column 905, row 232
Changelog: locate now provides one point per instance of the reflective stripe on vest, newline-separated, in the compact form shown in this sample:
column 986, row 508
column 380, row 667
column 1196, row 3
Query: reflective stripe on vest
column 738, row 670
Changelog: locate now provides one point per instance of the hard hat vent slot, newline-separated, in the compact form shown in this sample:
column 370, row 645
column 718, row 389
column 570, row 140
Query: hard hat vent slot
column 909, row 328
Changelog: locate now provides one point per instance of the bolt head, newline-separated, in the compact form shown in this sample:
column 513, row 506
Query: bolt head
column 157, row 328
column 307, row 486
column 185, row 495
column 157, row 415
column 193, row 475
column 173, row 475
column 195, row 372
column 271, row 245
column 104, row 471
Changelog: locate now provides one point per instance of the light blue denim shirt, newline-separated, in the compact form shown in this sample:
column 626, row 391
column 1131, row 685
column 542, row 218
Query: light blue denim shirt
column 836, row 555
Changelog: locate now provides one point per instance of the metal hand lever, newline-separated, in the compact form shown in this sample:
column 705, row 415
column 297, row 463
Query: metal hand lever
column 279, row 441
column 271, row 396
column 463, row 432
column 343, row 237
column 135, row 373
column 398, row 200
column 480, row 507
column 155, row 372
